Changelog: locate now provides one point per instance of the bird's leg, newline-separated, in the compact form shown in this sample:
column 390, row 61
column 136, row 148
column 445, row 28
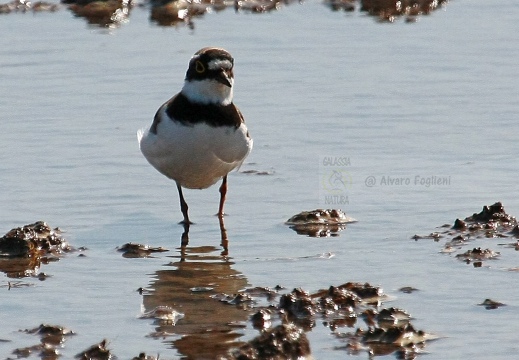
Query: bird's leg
column 183, row 206
column 223, row 192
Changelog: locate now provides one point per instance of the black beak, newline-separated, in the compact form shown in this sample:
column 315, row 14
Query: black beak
column 224, row 77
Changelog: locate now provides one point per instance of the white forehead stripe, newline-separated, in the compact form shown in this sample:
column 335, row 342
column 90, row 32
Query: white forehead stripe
column 219, row 64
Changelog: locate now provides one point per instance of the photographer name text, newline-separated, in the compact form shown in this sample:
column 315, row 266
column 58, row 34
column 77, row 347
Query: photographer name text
column 417, row 180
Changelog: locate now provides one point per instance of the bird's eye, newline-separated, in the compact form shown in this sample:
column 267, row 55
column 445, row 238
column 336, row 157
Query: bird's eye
column 199, row 67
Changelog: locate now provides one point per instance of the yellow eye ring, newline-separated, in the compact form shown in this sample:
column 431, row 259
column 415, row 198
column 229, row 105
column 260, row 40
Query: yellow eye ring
column 199, row 67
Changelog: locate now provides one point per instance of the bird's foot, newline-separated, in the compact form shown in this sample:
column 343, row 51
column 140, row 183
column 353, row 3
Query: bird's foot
column 186, row 222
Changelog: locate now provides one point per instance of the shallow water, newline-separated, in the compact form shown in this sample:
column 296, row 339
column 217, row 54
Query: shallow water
column 434, row 98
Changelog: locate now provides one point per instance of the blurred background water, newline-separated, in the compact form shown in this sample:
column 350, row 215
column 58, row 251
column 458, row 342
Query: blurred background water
column 436, row 98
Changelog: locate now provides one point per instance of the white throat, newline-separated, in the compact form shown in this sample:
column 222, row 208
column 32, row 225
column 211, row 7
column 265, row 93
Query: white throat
column 208, row 92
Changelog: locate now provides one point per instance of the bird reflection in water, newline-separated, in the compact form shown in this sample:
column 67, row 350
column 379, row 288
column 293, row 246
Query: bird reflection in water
column 209, row 327
column 224, row 241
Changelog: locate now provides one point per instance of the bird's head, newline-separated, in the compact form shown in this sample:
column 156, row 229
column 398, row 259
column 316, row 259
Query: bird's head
column 209, row 78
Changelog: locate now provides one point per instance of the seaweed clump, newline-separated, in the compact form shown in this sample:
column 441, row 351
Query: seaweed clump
column 490, row 223
column 23, row 6
column 320, row 222
column 388, row 10
column 23, row 249
column 285, row 341
column 133, row 250
column 103, row 13
column 283, row 323
column 52, row 338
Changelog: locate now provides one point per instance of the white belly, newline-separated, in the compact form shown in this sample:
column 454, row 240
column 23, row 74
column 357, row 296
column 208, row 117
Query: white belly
column 195, row 156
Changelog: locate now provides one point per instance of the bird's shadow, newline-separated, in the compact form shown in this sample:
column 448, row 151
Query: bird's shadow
column 184, row 238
